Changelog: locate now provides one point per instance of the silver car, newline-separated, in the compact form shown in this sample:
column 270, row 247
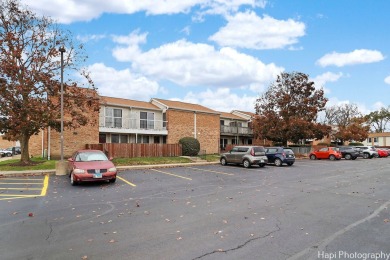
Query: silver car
column 245, row 155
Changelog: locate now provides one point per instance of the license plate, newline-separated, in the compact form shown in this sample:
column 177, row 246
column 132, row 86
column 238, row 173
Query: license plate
column 97, row 175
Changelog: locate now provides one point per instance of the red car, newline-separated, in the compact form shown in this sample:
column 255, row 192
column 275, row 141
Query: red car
column 382, row 152
column 331, row 153
column 90, row 165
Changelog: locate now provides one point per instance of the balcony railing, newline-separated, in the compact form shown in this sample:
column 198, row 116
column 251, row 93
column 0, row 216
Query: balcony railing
column 225, row 129
column 136, row 124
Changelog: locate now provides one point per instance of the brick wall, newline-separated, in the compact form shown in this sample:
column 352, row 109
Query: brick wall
column 5, row 143
column 182, row 124
column 74, row 139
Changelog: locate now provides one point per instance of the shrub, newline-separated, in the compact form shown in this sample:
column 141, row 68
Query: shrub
column 356, row 144
column 190, row 146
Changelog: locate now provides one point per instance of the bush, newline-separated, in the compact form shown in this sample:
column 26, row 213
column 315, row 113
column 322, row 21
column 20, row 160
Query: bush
column 356, row 144
column 190, row 146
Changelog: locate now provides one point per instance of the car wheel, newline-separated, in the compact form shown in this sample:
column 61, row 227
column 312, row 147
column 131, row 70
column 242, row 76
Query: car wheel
column 366, row 156
column 348, row 156
column 223, row 161
column 332, row 157
column 9, row 154
column 246, row 163
column 313, row 157
column 262, row 165
column 113, row 180
column 72, row 181
column 278, row 162
column 290, row 163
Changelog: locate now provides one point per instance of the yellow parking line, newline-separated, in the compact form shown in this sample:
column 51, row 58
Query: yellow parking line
column 22, row 183
column 172, row 174
column 210, row 171
column 45, row 185
column 22, row 179
column 131, row 184
column 20, row 188
column 17, row 195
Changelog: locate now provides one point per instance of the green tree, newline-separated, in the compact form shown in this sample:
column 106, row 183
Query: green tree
column 288, row 110
column 378, row 120
column 30, row 69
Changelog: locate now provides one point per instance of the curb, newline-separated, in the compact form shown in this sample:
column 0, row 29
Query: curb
column 120, row 169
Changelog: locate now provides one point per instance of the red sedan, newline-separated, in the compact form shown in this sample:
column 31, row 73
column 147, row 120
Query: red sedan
column 90, row 165
column 331, row 153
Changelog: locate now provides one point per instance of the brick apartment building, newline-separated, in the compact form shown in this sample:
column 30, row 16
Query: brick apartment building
column 158, row 121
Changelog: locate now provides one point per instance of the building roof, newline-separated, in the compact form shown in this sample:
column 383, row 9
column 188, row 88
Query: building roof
column 231, row 116
column 178, row 105
column 128, row 103
column 251, row 114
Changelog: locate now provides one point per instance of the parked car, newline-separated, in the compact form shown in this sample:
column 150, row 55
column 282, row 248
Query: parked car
column 349, row 153
column 331, row 153
column 382, row 153
column 5, row 152
column 89, row 166
column 369, row 152
column 245, row 155
column 280, row 155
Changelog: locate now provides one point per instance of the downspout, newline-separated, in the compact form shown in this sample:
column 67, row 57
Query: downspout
column 194, row 124
column 42, row 143
column 48, row 143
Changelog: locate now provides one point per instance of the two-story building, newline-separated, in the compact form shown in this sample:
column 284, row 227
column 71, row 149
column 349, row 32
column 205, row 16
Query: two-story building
column 157, row 121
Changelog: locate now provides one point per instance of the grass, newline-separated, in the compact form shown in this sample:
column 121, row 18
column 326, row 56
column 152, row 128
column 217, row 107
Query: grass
column 43, row 164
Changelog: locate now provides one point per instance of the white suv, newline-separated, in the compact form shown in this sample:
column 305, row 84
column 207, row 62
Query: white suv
column 368, row 151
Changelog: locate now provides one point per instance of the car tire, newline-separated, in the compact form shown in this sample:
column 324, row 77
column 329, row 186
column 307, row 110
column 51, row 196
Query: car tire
column 290, row 163
column 348, row 156
column 332, row 157
column 223, row 161
column 72, row 181
column 366, row 155
column 262, row 165
column 354, row 158
column 246, row 163
column 113, row 180
column 278, row 162
column 313, row 157
column 9, row 154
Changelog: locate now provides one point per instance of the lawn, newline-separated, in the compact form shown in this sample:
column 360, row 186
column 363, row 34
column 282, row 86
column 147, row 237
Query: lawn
column 43, row 164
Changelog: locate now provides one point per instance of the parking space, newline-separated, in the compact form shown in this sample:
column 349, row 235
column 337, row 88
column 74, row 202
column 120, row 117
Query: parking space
column 23, row 187
column 205, row 212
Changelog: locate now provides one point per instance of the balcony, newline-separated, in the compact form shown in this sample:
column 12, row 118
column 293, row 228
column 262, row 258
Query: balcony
column 133, row 126
column 234, row 130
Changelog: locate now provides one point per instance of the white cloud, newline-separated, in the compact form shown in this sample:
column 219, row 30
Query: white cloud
column 387, row 80
column 190, row 64
column 247, row 30
column 222, row 100
column 352, row 58
column 68, row 11
column 90, row 37
column 321, row 80
column 122, row 83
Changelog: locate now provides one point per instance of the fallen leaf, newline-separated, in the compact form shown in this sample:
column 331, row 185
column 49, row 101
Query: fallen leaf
column 112, row 241
column 84, row 257
column 386, row 220
column 31, row 214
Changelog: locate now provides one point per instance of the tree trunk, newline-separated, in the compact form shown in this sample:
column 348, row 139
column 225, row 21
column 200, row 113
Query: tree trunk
column 25, row 156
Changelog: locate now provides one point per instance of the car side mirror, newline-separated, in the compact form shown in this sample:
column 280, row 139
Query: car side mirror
column 111, row 158
column 70, row 160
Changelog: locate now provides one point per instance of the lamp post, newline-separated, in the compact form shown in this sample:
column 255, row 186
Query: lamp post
column 62, row 50
column 61, row 165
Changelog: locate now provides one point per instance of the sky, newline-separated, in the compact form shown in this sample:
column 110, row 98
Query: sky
column 224, row 54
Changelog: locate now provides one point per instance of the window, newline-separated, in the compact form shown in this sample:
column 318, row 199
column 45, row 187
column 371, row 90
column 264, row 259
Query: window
column 102, row 138
column 325, row 149
column 223, row 142
column 124, row 139
column 375, row 139
column 146, row 120
column 143, row 139
column 164, row 120
column 113, row 117
column 114, row 138
column 164, row 139
column 369, row 140
column 222, row 122
column 157, row 139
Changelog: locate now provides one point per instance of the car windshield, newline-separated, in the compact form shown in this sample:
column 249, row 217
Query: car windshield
column 90, row 156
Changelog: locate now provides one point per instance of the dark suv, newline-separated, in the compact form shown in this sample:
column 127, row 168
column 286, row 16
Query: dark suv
column 245, row 155
column 280, row 155
column 349, row 153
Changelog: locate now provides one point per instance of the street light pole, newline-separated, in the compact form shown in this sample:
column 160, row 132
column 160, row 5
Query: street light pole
column 62, row 50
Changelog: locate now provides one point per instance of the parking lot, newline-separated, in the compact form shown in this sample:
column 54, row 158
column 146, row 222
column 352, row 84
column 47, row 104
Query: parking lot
column 307, row 211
